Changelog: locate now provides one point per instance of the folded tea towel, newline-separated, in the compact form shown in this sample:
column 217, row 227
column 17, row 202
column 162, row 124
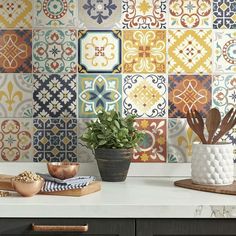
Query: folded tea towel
column 53, row 184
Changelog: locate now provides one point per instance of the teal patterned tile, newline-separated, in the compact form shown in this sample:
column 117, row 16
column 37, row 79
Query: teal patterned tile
column 55, row 51
column 224, row 92
column 225, row 51
column 97, row 92
column 55, row 13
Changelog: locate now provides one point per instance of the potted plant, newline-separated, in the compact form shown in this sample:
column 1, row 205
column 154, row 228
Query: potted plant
column 113, row 138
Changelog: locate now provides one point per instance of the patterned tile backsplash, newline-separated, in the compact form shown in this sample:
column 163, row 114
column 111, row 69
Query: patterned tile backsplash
column 62, row 61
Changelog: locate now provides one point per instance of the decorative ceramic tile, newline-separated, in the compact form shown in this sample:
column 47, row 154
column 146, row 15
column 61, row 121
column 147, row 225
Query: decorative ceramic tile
column 190, row 51
column 85, row 154
column 190, row 14
column 144, row 51
column 55, row 140
column 180, row 140
column 15, row 140
column 145, row 95
column 97, row 92
column 225, row 51
column 224, row 14
column 54, row 95
column 153, row 146
column 16, row 95
column 54, row 51
column 189, row 92
column 95, row 14
column 144, row 14
column 15, row 14
column 99, row 51
column 224, row 92
column 15, row 51
column 55, row 13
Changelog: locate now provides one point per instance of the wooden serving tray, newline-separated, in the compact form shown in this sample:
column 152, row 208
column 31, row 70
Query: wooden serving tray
column 5, row 184
column 227, row 189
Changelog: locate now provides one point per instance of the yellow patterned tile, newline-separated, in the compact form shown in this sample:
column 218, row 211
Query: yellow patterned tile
column 16, row 14
column 144, row 51
column 190, row 51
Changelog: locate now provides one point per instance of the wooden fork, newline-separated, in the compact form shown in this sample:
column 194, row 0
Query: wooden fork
column 196, row 123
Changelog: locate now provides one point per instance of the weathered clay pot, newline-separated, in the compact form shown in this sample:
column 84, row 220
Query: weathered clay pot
column 113, row 164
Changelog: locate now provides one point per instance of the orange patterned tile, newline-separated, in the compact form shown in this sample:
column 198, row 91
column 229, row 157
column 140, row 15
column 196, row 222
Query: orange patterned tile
column 189, row 92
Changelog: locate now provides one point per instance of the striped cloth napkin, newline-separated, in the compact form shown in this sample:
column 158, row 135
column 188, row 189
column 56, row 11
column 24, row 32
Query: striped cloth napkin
column 53, row 184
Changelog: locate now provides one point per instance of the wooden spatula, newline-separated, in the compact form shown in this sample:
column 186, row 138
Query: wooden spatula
column 213, row 120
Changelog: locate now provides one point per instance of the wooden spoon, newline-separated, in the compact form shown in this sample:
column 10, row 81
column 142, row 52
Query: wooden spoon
column 213, row 120
column 228, row 122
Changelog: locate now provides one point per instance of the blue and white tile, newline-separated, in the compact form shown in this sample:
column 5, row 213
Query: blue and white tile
column 99, row 14
column 55, row 140
column 55, row 95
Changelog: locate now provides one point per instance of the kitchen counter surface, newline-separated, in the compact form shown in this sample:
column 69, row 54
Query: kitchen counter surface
column 137, row 197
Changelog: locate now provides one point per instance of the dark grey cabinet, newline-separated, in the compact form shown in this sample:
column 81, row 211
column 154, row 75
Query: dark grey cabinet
column 118, row 227
column 185, row 227
column 95, row 227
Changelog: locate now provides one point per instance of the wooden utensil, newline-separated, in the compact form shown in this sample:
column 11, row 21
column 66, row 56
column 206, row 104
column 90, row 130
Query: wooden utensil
column 187, row 183
column 196, row 123
column 213, row 120
column 228, row 122
column 6, row 184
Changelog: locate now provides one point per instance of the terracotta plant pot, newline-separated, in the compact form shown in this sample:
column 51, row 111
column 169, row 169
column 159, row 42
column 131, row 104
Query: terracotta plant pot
column 212, row 164
column 113, row 164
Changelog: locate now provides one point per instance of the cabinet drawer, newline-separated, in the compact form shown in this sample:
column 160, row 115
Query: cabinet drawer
column 106, row 227
column 184, row 227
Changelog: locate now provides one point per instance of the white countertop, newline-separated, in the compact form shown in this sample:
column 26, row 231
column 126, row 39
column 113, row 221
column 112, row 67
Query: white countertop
column 137, row 197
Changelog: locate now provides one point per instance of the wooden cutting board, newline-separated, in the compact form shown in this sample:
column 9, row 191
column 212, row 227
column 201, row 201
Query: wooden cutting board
column 227, row 189
column 5, row 184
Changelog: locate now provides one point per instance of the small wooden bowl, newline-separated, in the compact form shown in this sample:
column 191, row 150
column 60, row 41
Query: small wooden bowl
column 63, row 170
column 27, row 189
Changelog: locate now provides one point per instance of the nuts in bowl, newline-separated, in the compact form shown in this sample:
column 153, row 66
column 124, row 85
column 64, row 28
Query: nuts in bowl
column 27, row 183
column 63, row 170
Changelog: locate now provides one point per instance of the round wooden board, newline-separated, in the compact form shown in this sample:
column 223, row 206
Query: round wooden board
column 226, row 189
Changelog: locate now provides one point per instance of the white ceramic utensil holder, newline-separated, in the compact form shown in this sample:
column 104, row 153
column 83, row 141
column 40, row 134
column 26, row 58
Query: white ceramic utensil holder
column 212, row 164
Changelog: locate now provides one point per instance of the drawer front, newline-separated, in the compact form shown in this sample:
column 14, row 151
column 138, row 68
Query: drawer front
column 67, row 227
column 184, row 227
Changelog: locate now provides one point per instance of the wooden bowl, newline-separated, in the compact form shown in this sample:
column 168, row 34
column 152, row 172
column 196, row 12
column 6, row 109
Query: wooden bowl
column 63, row 170
column 27, row 189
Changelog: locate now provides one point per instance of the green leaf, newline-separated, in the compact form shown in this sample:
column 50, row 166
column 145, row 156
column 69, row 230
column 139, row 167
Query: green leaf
column 117, row 124
column 102, row 142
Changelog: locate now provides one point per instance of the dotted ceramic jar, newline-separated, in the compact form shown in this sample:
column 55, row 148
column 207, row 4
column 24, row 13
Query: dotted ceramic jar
column 212, row 164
